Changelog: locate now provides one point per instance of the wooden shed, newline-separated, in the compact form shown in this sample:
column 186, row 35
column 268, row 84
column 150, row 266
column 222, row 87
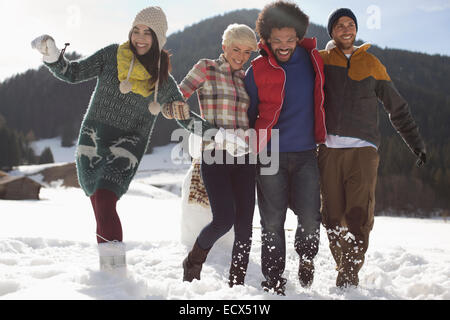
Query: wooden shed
column 67, row 173
column 18, row 188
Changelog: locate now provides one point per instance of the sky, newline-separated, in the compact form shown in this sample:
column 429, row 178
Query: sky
column 416, row 25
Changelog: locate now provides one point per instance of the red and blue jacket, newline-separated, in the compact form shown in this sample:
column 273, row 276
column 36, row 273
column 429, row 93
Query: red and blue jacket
column 274, row 89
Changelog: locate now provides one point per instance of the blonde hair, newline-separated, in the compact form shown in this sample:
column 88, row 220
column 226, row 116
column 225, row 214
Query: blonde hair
column 239, row 34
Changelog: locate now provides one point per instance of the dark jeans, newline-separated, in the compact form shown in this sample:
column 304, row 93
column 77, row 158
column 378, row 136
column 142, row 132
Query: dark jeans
column 231, row 193
column 295, row 186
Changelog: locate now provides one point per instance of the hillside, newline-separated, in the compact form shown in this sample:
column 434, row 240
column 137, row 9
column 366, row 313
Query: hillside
column 36, row 104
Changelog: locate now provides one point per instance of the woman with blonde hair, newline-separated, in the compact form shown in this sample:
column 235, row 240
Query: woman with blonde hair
column 230, row 185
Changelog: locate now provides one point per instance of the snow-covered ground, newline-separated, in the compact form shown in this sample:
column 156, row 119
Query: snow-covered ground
column 48, row 248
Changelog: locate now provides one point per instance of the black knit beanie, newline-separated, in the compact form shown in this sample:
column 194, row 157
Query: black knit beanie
column 342, row 12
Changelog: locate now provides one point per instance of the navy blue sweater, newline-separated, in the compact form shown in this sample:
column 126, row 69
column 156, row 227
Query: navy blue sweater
column 296, row 121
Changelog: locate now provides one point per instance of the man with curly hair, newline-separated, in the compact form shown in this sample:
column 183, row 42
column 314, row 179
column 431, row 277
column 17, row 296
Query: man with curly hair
column 285, row 85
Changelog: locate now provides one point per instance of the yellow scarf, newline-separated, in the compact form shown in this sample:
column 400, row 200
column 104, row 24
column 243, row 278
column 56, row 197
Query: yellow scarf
column 139, row 78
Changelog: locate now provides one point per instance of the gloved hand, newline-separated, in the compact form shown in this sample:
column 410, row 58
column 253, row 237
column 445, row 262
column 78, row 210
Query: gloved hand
column 421, row 157
column 47, row 47
column 233, row 140
column 176, row 110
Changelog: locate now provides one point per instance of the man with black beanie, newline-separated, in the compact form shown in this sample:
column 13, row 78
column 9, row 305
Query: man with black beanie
column 348, row 161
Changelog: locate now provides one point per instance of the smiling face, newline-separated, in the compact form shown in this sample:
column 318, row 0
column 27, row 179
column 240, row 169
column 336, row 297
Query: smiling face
column 141, row 39
column 283, row 43
column 237, row 55
column 344, row 34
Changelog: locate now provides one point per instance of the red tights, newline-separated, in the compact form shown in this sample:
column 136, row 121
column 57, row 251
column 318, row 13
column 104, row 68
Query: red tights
column 108, row 222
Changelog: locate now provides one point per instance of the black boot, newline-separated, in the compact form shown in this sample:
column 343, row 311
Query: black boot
column 239, row 263
column 276, row 286
column 306, row 273
column 237, row 275
column 192, row 265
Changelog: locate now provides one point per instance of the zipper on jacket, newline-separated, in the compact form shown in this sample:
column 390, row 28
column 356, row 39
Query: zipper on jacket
column 282, row 101
column 284, row 84
column 341, row 114
column 322, row 94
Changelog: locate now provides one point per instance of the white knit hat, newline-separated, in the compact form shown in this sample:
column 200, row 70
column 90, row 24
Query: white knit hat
column 155, row 19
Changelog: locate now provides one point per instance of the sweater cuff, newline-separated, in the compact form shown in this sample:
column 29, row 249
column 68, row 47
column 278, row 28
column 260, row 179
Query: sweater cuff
column 59, row 66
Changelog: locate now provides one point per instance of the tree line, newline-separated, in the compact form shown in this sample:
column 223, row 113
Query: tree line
column 36, row 105
column 15, row 148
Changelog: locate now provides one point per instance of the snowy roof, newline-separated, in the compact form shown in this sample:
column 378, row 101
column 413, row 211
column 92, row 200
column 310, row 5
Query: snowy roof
column 8, row 179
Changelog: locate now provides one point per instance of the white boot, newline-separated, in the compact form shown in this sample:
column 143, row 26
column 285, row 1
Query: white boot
column 113, row 258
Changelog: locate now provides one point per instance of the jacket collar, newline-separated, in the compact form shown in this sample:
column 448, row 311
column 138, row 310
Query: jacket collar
column 331, row 45
column 306, row 43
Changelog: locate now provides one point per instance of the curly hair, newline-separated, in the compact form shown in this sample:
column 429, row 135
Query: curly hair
column 281, row 14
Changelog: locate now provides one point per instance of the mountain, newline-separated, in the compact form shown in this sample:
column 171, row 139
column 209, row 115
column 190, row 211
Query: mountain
column 35, row 103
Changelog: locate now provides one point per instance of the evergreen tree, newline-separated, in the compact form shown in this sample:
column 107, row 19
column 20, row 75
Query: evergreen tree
column 67, row 137
column 46, row 156
column 9, row 148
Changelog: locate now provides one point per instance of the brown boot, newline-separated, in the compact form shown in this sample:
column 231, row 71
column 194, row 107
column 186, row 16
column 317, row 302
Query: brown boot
column 306, row 273
column 346, row 279
column 192, row 265
column 335, row 247
column 348, row 272
column 351, row 262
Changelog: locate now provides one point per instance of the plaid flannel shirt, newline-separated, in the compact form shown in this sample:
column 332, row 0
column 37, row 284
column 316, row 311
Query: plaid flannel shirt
column 222, row 97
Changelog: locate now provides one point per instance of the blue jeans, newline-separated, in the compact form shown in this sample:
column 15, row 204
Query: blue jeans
column 295, row 186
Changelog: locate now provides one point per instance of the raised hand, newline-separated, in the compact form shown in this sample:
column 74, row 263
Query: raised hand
column 45, row 44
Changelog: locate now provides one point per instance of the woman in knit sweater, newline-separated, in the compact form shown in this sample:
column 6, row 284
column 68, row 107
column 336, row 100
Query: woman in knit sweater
column 230, row 185
column 133, row 80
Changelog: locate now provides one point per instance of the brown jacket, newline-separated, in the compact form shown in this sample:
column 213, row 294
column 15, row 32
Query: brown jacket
column 353, row 88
